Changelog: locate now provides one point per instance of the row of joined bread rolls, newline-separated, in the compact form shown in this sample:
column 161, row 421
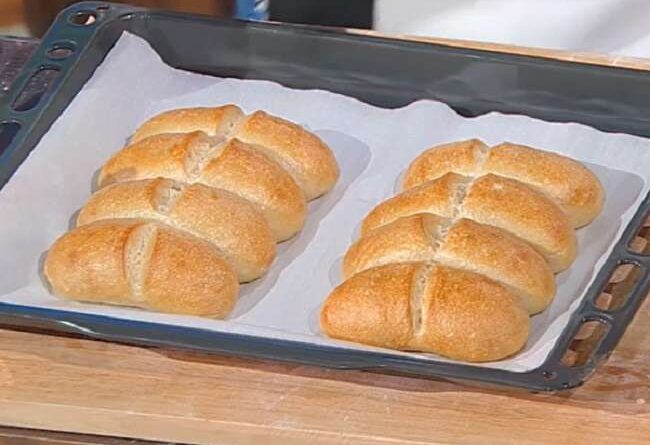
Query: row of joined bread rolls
column 191, row 208
column 483, row 221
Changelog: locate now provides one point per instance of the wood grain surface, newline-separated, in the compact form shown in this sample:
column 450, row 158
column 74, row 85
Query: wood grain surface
column 95, row 387
column 92, row 387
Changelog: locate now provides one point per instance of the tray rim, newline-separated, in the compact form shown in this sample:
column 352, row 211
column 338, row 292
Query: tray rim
column 151, row 334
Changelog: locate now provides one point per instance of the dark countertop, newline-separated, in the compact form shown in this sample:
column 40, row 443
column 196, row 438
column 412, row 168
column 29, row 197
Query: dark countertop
column 14, row 52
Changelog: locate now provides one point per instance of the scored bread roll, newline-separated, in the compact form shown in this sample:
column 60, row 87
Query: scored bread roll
column 232, row 166
column 141, row 264
column 214, row 121
column 304, row 155
column 301, row 153
column 573, row 186
column 230, row 223
column 493, row 200
column 463, row 244
column 429, row 308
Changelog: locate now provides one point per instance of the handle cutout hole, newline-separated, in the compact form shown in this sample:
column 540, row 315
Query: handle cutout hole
column 8, row 131
column 35, row 88
column 83, row 18
column 549, row 375
column 584, row 343
column 641, row 242
column 620, row 287
column 61, row 50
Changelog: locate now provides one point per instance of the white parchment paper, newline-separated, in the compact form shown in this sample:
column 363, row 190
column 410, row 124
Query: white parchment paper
column 372, row 145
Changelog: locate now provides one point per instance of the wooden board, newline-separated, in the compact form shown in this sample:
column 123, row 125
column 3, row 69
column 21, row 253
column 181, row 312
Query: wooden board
column 95, row 387
column 68, row 384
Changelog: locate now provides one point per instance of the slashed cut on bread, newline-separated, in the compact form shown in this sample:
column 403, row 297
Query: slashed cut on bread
column 573, row 186
column 302, row 154
column 492, row 200
column 229, row 165
column 142, row 264
column 464, row 244
column 188, row 210
column 428, row 308
column 232, row 224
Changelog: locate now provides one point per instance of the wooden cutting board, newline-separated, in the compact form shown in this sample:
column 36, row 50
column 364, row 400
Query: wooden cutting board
column 76, row 385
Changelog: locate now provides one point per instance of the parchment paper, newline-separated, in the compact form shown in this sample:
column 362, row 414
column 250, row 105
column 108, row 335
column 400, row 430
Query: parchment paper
column 372, row 145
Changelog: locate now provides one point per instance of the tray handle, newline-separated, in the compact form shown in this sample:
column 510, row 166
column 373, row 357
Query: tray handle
column 22, row 117
column 613, row 299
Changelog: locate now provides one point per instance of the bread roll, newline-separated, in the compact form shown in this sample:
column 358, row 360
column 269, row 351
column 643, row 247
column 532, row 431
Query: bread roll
column 230, row 223
column 493, row 200
column 142, row 264
column 232, row 166
column 574, row 187
column 437, row 197
column 465, row 245
column 413, row 306
column 214, row 121
column 302, row 154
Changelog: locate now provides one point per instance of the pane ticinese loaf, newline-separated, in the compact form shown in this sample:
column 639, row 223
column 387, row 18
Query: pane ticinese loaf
column 430, row 308
column 463, row 244
column 493, row 200
column 229, row 165
column 302, row 154
column 573, row 186
column 188, row 210
column 142, row 264
column 230, row 223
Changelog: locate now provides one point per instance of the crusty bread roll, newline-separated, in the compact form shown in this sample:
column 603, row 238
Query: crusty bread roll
column 573, row 186
column 142, row 264
column 463, row 244
column 213, row 121
column 187, row 211
column 232, row 166
column 494, row 200
column 430, row 308
column 302, row 154
column 230, row 223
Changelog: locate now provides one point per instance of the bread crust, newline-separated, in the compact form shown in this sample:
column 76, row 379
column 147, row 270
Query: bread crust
column 115, row 262
column 462, row 315
column 230, row 223
column 465, row 245
column 303, row 154
column 232, row 166
column 524, row 212
column 566, row 181
column 434, row 197
column 462, row 157
column 493, row 200
column 214, row 121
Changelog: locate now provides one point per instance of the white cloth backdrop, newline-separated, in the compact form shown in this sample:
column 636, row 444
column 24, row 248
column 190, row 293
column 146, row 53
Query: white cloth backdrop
column 620, row 27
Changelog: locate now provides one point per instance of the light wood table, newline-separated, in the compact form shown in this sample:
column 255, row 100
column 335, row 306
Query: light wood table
column 92, row 387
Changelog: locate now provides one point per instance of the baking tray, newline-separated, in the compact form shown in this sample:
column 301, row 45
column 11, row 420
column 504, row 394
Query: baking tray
column 380, row 71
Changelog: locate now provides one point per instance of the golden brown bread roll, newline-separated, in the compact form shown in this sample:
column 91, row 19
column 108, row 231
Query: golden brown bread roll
column 187, row 196
column 430, row 308
column 573, row 186
column 142, row 264
column 230, row 223
column 302, row 154
column 493, row 200
column 213, row 121
column 232, row 166
column 463, row 244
